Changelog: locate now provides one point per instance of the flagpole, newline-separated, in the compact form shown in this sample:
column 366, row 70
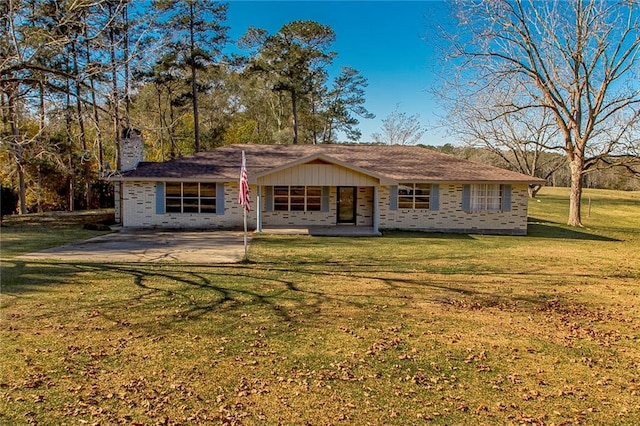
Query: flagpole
column 246, row 252
column 244, row 201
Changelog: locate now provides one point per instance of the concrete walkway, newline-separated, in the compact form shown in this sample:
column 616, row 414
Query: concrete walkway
column 176, row 245
column 151, row 246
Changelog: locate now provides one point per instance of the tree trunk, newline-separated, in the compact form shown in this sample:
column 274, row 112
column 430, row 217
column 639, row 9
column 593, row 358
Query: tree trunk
column 70, row 165
column 294, row 108
column 172, row 137
column 328, row 131
column 163, row 124
column 196, row 113
column 4, row 111
column 12, row 117
column 22, row 186
column 40, row 190
column 114, row 93
column 577, row 166
column 94, row 104
column 127, row 78
column 314, row 130
column 533, row 190
column 86, row 159
column 42, row 124
column 194, row 84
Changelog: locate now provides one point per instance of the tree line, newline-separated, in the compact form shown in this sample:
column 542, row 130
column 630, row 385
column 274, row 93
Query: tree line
column 550, row 166
column 77, row 76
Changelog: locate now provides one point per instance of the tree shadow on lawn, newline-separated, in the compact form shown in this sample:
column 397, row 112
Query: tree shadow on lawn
column 188, row 291
column 536, row 228
column 164, row 295
column 541, row 228
column 23, row 276
column 427, row 235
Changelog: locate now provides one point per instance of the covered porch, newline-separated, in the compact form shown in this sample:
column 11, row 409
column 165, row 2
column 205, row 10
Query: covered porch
column 317, row 196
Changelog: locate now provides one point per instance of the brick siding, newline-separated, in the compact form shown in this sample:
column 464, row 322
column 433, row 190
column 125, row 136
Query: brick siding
column 139, row 211
column 139, row 200
column 451, row 218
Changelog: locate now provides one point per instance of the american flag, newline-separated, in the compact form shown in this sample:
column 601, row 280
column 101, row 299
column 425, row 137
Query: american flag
column 243, row 194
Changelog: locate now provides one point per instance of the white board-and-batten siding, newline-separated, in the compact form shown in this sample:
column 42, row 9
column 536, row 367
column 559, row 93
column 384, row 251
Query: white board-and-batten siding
column 317, row 175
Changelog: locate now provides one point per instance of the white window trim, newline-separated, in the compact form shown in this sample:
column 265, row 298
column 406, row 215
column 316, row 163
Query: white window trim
column 483, row 197
column 199, row 198
column 306, row 198
column 413, row 196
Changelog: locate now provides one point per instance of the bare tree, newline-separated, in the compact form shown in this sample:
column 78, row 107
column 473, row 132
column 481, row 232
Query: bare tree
column 578, row 60
column 520, row 139
column 398, row 128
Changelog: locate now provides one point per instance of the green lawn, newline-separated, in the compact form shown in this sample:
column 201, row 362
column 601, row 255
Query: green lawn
column 408, row 328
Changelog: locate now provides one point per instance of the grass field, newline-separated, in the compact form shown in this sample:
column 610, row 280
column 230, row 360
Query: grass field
column 409, row 328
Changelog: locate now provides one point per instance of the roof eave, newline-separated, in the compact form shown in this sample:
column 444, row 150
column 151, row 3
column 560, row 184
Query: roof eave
column 496, row 181
column 167, row 179
column 418, row 179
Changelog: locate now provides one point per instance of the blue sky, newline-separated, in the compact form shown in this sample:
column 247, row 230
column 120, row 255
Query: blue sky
column 387, row 41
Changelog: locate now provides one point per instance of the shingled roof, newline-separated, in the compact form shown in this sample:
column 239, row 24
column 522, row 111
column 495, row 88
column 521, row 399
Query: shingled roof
column 391, row 162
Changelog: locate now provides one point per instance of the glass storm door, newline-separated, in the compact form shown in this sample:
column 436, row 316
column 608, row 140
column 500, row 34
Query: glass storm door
column 347, row 204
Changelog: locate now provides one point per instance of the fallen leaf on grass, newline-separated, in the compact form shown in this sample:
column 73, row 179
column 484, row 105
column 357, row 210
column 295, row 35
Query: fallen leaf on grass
column 481, row 408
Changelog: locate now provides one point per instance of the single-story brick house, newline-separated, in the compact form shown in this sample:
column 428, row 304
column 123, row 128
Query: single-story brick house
column 369, row 186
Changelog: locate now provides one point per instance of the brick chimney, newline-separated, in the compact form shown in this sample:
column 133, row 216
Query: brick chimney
column 132, row 149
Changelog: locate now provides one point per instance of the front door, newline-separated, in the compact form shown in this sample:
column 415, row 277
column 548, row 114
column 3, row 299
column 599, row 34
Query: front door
column 347, row 204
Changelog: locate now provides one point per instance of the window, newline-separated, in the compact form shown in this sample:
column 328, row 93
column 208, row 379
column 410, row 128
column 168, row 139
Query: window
column 486, row 197
column 297, row 198
column 190, row 197
column 414, row 195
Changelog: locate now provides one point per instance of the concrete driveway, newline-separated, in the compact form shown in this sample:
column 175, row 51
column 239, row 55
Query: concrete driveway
column 151, row 246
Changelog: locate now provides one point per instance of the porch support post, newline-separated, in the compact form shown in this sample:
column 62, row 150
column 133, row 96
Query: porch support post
column 376, row 210
column 259, row 210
